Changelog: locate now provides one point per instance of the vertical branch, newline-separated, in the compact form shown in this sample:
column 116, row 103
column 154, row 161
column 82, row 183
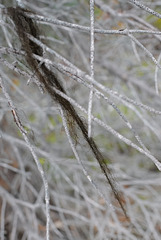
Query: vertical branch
column 91, row 64
column 156, row 76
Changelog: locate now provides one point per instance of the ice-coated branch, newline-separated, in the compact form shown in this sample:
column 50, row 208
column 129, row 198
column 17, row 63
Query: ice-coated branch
column 92, row 51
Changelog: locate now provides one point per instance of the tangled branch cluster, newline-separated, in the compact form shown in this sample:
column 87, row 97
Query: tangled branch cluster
column 100, row 63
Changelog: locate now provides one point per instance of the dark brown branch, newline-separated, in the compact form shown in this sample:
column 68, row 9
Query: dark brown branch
column 25, row 25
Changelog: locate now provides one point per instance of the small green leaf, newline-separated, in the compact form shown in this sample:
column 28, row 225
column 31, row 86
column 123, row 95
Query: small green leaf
column 32, row 117
column 42, row 160
column 59, row 118
column 157, row 24
column 107, row 161
column 97, row 12
column 52, row 121
column 98, row 116
column 51, row 137
column 71, row 4
column 142, row 197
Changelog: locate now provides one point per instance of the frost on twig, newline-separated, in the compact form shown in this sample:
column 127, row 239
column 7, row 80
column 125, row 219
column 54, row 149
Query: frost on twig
column 92, row 51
